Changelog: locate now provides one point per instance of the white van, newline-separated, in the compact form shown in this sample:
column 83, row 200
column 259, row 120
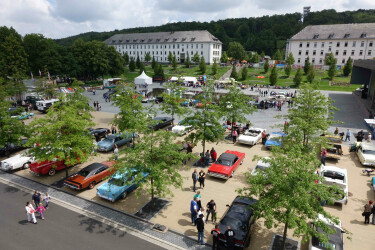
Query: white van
column 44, row 105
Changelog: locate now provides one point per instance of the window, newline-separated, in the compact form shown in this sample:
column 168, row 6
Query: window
column 346, row 44
column 354, row 43
column 344, row 53
column 321, row 52
column 315, row 44
column 300, row 45
column 178, row 46
column 192, row 52
column 182, row 50
column 320, row 60
column 314, row 52
column 196, row 46
column 352, row 53
column 307, row 45
column 299, row 52
column 299, row 60
column 369, row 53
column 330, row 36
column 192, row 45
column 370, row 43
column 201, row 52
column 361, row 52
column 329, row 49
column 202, row 46
column 337, row 53
column 316, row 37
column 363, row 35
column 347, row 35
column 322, row 44
column 343, row 61
column 338, row 44
column 173, row 46
column 313, row 60
column 362, row 44
column 307, row 53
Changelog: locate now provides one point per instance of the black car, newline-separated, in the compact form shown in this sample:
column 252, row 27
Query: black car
column 13, row 147
column 160, row 122
column 240, row 217
column 109, row 93
column 101, row 132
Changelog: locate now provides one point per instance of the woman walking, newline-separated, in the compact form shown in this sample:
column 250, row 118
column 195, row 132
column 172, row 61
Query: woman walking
column 202, row 177
column 30, row 211
column 367, row 212
column 234, row 136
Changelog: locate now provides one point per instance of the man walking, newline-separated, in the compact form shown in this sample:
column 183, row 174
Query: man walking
column 229, row 236
column 348, row 134
column 200, row 227
column 215, row 237
column 36, row 198
column 193, row 210
column 211, row 209
column 194, row 176
column 323, row 156
column 234, row 135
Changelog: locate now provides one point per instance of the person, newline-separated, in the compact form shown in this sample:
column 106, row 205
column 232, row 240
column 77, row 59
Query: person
column 201, row 211
column 229, row 236
column 263, row 137
column 211, row 209
column 200, row 227
column 360, row 136
column 234, row 136
column 193, row 210
column 348, row 134
column 369, row 136
column 113, row 130
column 368, row 210
column 213, row 155
column 336, row 131
column 94, row 104
column 99, row 106
column 215, row 237
column 207, row 158
column 93, row 92
column 194, row 176
column 201, row 179
column 198, row 196
column 323, row 156
column 40, row 210
column 36, row 198
column 115, row 151
column 189, row 149
column 373, row 215
column 30, row 211
column 279, row 105
column 46, row 199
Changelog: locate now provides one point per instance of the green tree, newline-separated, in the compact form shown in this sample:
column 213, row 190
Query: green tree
column 288, row 70
column 141, row 68
column 63, row 132
column 348, row 67
column 224, row 57
column 45, row 88
column 115, row 62
column 277, row 55
column 255, row 58
column 273, row 76
column 236, row 51
column 290, row 61
column 158, row 70
column 147, row 57
column 311, row 74
column 153, row 63
column 132, row 64
column 234, row 73
column 266, row 66
column 126, row 58
column 187, row 61
column 196, row 58
column 331, row 62
column 244, row 73
column 202, row 65
column 214, row 67
column 298, row 77
column 262, row 55
column 138, row 62
column 172, row 101
column 170, row 57
column 174, row 63
column 307, row 66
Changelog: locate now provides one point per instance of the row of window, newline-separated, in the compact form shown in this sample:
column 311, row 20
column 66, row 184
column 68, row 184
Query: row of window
column 320, row 60
column 346, row 43
column 159, row 52
column 170, row 46
column 344, row 53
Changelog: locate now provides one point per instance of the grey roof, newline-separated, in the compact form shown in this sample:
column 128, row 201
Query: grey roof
column 336, row 31
column 196, row 36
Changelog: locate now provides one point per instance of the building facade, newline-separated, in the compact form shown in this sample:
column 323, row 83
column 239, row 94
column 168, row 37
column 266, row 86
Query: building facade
column 343, row 40
column 159, row 44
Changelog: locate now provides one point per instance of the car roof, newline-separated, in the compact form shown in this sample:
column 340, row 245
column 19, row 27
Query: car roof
column 368, row 146
column 94, row 166
column 244, row 200
column 333, row 168
column 227, row 156
column 113, row 136
column 264, row 164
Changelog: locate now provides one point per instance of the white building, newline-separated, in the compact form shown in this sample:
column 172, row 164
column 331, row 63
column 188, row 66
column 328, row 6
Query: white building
column 159, row 44
column 343, row 40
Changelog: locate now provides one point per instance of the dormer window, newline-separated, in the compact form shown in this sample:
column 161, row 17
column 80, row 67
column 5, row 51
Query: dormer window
column 166, row 40
column 316, row 37
column 113, row 41
column 192, row 39
column 127, row 41
column 347, row 35
column 330, row 36
column 363, row 35
column 135, row 40
column 158, row 40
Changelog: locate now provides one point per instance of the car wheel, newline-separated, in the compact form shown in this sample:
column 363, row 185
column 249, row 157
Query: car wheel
column 124, row 195
column 241, row 162
column 26, row 165
column 231, row 175
column 92, row 185
column 52, row 172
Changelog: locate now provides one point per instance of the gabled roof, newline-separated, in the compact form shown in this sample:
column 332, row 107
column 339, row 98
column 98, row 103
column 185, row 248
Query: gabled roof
column 336, row 31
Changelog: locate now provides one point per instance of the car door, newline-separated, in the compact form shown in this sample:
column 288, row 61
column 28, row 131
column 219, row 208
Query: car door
column 236, row 162
column 360, row 154
column 100, row 174
column 118, row 141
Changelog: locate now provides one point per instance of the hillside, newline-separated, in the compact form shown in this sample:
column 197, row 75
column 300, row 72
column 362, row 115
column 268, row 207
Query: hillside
column 266, row 33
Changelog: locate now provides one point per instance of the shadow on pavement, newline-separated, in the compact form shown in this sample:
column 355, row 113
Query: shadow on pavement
column 152, row 208
column 23, row 222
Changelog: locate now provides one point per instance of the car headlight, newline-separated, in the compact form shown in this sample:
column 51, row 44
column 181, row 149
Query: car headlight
column 5, row 166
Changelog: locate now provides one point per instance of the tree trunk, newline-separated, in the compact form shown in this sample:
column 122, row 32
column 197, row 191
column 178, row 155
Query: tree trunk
column 285, row 231
column 152, row 194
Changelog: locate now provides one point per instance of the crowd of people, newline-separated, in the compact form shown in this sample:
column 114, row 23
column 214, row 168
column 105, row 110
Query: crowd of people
column 36, row 206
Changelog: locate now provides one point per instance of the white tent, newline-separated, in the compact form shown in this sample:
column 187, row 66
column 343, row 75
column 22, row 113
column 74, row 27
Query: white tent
column 143, row 79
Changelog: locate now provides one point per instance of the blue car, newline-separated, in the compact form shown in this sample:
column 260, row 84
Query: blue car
column 117, row 188
column 275, row 139
column 119, row 139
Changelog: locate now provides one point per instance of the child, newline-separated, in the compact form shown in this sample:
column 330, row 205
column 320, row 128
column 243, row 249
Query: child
column 41, row 209
column 46, row 200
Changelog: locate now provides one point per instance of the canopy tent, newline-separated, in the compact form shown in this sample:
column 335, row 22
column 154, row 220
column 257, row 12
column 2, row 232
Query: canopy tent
column 143, row 79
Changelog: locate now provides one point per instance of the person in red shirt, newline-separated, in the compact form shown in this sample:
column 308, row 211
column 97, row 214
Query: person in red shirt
column 215, row 237
column 323, row 156
column 213, row 154
column 263, row 137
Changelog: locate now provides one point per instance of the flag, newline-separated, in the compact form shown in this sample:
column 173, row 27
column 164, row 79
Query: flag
column 40, row 73
column 32, row 76
column 49, row 76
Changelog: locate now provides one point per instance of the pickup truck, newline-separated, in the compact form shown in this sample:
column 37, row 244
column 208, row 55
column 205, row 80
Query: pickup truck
column 47, row 167
column 334, row 147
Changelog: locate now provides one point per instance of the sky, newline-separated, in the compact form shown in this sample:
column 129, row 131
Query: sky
column 63, row 18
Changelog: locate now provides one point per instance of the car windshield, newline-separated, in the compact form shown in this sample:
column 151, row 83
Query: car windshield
column 84, row 173
column 224, row 162
column 275, row 138
column 116, row 182
column 233, row 223
column 252, row 132
column 334, row 139
column 260, row 167
column 334, row 175
column 368, row 152
column 110, row 140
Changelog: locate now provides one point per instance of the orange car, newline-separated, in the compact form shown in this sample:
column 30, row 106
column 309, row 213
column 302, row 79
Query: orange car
column 90, row 175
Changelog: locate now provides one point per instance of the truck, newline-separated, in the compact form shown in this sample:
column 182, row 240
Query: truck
column 44, row 105
column 334, row 147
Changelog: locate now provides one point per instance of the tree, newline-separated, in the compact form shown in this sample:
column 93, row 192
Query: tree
column 331, row 61
column 262, row 55
column 63, row 132
column 141, row 68
column 45, row 88
column 298, row 77
column 266, row 66
column 214, row 67
column 307, row 66
column 115, row 62
column 132, row 65
column 196, row 58
column 255, row 58
column 170, row 57
column 288, row 70
column 153, row 63
column 273, row 76
column 224, row 57
column 311, row 74
column 277, row 55
column 236, row 51
column 244, row 73
column 290, row 61
column 138, row 62
column 202, row 65
column 126, row 58
column 348, row 67
column 234, row 73
column 147, row 57
column 174, row 63
column 187, row 61
column 158, row 70
column 172, row 101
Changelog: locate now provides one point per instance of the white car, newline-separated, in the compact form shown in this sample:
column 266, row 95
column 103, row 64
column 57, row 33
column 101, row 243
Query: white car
column 181, row 129
column 336, row 176
column 261, row 166
column 366, row 154
column 335, row 240
column 18, row 161
column 147, row 100
column 251, row 136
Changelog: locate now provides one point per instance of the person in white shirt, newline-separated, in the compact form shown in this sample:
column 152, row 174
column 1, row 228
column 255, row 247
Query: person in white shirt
column 46, row 199
column 30, row 211
column 201, row 211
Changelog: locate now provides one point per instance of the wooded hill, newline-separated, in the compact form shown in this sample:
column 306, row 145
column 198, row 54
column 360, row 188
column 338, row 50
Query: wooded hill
column 266, row 33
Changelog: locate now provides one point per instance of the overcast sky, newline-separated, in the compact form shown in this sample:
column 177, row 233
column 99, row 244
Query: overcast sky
column 62, row 18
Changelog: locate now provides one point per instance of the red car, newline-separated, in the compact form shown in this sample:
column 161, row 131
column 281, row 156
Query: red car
column 46, row 167
column 227, row 163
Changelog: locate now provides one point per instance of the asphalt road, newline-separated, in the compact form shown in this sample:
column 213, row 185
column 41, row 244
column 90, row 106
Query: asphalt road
column 61, row 229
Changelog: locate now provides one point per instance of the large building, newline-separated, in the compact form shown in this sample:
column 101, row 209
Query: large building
column 343, row 40
column 159, row 44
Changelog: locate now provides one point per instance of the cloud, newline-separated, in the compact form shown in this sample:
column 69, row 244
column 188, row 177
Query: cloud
column 206, row 6
column 275, row 4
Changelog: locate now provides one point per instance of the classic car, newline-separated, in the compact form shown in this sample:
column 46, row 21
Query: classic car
column 336, row 176
column 44, row 105
column 240, row 217
column 149, row 99
column 119, row 139
column 251, row 136
column 366, row 154
column 373, row 183
column 334, row 147
column 90, row 175
column 101, row 132
column 22, row 160
column 47, row 167
column 13, row 147
column 160, row 122
column 226, row 164
column 335, row 240
column 181, row 129
column 119, row 185
column 274, row 140
column 20, row 114
column 261, row 166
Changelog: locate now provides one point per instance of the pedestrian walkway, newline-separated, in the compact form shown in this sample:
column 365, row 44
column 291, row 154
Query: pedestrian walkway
column 127, row 220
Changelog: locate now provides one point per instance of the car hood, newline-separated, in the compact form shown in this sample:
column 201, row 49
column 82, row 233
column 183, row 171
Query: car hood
column 272, row 143
column 76, row 178
column 18, row 158
column 239, row 234
column 105, row 144
column 107, row 189
column 369, row 158
column 221, row 169
column 247, row 137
